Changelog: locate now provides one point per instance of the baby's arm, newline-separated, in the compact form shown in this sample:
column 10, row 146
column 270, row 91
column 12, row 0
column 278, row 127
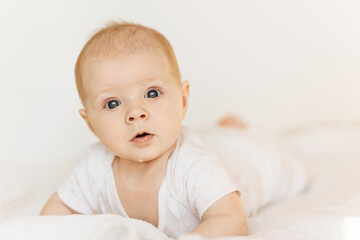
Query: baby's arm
column 54, row 206
column 226, row 217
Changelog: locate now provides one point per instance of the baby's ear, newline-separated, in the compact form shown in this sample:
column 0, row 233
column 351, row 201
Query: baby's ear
column 185, row 96
column 84, row 115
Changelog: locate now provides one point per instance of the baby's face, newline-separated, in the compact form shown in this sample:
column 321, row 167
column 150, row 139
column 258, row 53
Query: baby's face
column 133, row 94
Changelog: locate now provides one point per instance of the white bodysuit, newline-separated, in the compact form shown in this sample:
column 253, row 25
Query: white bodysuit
column 195, row 179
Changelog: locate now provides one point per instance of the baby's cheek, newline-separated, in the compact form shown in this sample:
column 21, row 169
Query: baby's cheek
column 174, row 108
column 108, row 133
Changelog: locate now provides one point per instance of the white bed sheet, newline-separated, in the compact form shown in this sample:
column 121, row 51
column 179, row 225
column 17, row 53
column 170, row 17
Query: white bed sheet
column 328, row 209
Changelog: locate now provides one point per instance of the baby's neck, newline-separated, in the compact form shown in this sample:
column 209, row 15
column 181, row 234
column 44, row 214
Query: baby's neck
column 135, row 169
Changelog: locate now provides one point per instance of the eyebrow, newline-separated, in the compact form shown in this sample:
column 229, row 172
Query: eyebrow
column 149, row 81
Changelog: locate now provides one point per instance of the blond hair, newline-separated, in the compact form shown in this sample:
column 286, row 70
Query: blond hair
column 122, row 38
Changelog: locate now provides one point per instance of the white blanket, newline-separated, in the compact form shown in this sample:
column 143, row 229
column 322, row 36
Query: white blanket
column 328, row 209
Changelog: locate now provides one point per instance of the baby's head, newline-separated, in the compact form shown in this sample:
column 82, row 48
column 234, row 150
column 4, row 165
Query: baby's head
column 129, row 82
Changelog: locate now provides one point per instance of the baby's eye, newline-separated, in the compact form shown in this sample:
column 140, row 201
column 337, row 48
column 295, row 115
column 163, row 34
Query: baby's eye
column 112, row 104
column 152, row 93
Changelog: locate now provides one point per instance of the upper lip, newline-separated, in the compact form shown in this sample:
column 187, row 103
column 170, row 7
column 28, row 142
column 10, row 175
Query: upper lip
column 139, row 133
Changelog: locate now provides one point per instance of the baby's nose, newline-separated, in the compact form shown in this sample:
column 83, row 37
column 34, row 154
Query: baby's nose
column 136, row 115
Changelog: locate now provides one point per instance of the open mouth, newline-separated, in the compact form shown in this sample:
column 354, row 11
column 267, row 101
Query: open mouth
column 141, row 135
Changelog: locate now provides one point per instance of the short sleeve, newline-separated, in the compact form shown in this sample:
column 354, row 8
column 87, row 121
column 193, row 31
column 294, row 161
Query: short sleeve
column 206, row 182
column 78, row 191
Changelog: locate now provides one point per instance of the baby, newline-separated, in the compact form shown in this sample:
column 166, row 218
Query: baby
column 147, row 165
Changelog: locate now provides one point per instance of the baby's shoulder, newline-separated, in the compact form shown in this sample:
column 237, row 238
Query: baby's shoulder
column 94, row 159
column 193, row 141
column 193, row 152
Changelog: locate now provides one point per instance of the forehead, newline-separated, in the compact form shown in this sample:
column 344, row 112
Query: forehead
column 125, row 71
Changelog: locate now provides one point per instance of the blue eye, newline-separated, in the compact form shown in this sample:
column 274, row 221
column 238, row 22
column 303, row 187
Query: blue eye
column 152, row 94
column 112, row 104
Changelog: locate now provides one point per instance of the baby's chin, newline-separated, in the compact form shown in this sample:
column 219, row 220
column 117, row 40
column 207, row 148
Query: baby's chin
column 142, row 157
column 161, row 154
column 153, row 152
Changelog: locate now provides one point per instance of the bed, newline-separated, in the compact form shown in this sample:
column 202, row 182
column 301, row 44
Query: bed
column 329, row 208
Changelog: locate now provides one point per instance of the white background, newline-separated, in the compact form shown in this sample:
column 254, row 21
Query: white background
column 278, row 64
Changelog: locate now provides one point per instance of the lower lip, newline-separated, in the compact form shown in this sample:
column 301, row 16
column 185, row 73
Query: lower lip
column 142, row 140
